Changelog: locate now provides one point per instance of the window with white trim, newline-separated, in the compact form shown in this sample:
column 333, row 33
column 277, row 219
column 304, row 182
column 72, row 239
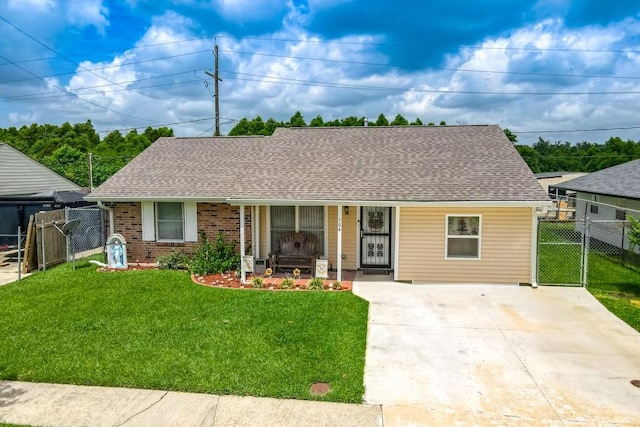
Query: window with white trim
column 169, row 221
column 463, row 236
column 307, row 219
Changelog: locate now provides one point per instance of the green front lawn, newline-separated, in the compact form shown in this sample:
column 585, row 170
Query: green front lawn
column 617, row 286
column 159, row 330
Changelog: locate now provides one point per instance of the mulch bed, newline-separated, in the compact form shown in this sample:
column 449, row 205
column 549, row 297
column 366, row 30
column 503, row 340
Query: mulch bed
column 270, row 283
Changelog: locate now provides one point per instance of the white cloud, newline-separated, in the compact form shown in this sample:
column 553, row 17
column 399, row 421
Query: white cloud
column 88, row 12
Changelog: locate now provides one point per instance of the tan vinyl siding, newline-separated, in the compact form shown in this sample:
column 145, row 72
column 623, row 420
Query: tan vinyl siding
column 505, row 246
column 264, row 249
column 349, row 240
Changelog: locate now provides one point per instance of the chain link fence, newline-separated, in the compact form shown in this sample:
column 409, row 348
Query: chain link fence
column 580, row 252
column 560, row 259
column 90, row 231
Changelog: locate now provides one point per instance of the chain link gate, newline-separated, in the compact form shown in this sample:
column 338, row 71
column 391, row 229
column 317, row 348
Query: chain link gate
column 561, row 255
column 584, row 251
column 90, row 232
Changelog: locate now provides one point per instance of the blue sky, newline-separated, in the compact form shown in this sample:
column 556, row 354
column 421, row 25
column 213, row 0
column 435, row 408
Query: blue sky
column 535, row 67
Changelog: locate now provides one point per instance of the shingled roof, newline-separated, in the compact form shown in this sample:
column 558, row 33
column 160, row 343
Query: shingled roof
column 346, row 164
column 620, row 181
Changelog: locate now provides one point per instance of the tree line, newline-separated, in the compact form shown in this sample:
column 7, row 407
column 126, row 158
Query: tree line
column 64, row 148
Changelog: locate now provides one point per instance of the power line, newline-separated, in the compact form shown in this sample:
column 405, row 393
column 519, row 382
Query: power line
column 576, row 130
column 299, row 82
column 77, row 96
column 155, row 126
column 67, row 59
column 466, row 70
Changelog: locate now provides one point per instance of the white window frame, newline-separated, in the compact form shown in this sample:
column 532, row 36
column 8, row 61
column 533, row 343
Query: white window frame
column 157, row 221
column 189, row 222
column 447, row 237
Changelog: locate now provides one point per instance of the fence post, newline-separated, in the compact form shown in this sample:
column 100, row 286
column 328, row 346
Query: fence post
column 44, row 261
column 19, row 249
column 585, row 250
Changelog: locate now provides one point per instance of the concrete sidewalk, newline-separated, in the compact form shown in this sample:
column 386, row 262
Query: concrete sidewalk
column 68, row 405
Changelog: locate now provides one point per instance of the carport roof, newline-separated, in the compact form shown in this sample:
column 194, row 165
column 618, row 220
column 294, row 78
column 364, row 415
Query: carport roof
column 419, row 164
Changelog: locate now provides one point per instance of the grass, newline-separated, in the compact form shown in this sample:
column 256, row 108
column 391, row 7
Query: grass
column 159, row 330
column 615, row 283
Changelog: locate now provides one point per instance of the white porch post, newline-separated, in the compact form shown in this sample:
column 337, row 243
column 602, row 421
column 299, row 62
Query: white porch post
column 256, row 224
column 242, row 246
column 396, row 244
column 339, row 251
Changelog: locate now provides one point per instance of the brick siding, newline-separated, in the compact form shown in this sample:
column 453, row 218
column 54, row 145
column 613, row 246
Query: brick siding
column 212, row 219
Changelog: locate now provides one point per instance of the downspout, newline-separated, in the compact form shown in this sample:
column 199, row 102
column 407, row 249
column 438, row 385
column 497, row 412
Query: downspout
column 112, row 225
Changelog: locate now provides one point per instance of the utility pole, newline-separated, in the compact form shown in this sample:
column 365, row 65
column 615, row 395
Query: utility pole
column 216, row 94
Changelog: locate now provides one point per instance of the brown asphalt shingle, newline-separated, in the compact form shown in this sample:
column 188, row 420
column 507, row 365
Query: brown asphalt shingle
column 408, row 164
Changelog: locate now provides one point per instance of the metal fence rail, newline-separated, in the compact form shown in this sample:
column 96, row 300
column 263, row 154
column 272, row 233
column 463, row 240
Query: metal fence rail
column 580, row 252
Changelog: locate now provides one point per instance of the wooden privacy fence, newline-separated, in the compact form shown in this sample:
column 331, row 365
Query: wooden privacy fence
column 51, row 244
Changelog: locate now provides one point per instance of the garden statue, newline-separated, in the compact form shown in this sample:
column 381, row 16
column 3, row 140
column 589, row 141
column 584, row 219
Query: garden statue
column 117, row 255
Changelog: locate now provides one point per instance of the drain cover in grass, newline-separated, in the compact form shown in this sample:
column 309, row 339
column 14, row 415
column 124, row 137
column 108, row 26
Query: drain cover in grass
column 320, row 389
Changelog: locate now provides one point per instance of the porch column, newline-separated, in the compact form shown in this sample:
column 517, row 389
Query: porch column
column 339, row 251
column 257, row 228
column 396, row 243
column 243, row 272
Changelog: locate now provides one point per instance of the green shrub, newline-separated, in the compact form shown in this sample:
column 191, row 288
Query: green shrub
column 176, row 260
column 257, row 282
column 337, row 285
column 315, row 284
column 212, row 258
column 287, row 283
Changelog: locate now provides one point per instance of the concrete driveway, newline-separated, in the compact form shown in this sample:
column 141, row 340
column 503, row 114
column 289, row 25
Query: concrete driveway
column 499, row 355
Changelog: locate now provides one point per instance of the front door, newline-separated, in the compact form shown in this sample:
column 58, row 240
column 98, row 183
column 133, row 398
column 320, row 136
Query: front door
column 375, row 237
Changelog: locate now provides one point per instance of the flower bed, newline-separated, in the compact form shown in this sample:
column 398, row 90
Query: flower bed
column 269, row 283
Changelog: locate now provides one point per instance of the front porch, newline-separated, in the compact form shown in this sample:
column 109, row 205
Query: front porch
column 349, row 237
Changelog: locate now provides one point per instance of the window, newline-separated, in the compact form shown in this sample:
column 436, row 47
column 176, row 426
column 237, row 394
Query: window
column 621, row 215
column 308, row 219
column 463, row 236
column 593, row 209
column 169, row 221
column 283, row 220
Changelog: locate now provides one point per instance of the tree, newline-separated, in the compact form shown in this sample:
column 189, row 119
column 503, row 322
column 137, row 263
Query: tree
column 512, row 136
column 316, row 122
column 382, row 120
column 416, row 122
column 352, row 121
column 634, row 233
column 443, row 123
column 399, row 120
column 70, row 163
column 297, row 120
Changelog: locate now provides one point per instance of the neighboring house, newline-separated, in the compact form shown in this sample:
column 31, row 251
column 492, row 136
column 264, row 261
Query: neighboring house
column 445, row 204
column 27, row 187
column 607, row 194
column 563, row 204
